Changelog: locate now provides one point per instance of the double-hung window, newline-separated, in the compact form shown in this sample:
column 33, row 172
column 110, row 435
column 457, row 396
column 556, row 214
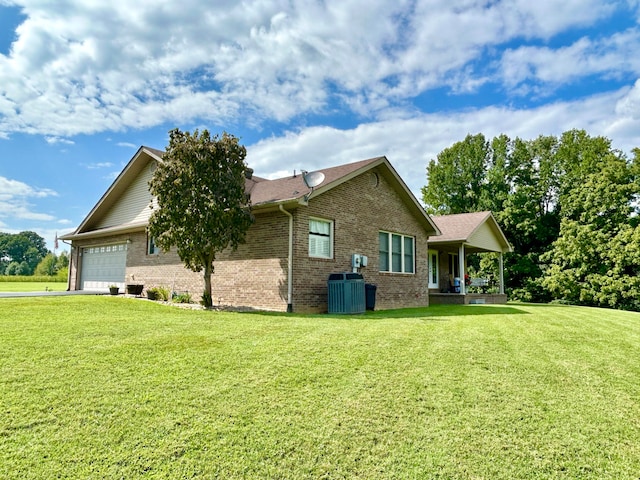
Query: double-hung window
column 320, row 238
column 396, row 253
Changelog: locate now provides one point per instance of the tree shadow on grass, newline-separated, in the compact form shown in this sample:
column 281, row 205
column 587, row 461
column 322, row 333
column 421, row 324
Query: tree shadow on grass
column 434, row 312
column 437, row 311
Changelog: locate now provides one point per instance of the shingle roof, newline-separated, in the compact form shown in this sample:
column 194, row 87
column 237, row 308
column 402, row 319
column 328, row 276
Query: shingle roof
column 266, row 194
column 293, row 187
column 264, row 191
column 459, row 226
column 155, row 151
column 478, row 231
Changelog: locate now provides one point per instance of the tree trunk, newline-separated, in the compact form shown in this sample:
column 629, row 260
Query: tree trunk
column 207, row 301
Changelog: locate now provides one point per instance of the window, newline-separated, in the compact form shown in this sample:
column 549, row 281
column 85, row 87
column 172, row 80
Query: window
column 433, row 269
column 384, row 251
column 152, row 248
column 320, row 238
column 396, row 253
column 454, row 265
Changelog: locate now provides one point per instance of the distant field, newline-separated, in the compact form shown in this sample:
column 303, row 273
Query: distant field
column 32, row 286
column 110, row 387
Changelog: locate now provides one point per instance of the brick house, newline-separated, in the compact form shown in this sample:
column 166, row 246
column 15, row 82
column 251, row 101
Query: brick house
column 300, row 236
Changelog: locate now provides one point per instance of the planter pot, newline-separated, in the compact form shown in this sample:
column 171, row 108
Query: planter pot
column 134, row 288
column 152, row 295
column 114, row 290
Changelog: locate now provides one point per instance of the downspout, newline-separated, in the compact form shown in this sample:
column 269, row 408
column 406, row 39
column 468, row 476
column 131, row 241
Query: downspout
column 289, row 262
column 69, row 267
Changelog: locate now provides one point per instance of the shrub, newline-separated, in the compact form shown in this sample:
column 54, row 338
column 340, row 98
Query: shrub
column 182, row 298
column 161, row 293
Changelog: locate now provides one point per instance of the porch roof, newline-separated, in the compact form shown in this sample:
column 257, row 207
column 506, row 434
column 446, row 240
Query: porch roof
column 478, row 231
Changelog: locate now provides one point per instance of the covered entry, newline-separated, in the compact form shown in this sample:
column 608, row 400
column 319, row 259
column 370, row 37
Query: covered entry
column 103, row 266
column 464, row 234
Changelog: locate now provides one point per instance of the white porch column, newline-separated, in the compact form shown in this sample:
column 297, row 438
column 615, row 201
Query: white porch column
column 500, row 261
column 463, row 287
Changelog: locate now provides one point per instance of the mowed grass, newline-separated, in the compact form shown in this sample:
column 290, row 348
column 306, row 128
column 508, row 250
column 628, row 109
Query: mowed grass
column 33, row 286
column 101, row 387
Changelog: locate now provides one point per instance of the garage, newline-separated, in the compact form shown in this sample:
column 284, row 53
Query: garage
column 103, row 266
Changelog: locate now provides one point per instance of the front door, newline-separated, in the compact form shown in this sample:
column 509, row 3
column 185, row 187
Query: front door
column 434, row 274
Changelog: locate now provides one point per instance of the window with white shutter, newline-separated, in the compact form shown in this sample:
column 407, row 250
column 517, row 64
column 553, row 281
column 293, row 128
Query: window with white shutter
column 320, row 238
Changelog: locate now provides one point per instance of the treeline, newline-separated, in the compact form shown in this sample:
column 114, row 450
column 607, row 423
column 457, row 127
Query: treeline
column 568, row 205
column 26, row 254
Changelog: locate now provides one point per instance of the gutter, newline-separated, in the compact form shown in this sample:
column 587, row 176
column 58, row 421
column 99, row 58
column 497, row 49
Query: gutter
column 118, row 229
column 289, row 261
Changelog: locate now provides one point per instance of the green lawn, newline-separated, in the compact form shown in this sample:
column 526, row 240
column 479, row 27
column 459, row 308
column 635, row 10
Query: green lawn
column 32, row 286
column 102, row 387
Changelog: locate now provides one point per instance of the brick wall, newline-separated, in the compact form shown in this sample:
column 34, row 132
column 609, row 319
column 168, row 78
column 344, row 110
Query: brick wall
column 252, row 276
column 256, row 274
column 360, row 208
column 163, row 269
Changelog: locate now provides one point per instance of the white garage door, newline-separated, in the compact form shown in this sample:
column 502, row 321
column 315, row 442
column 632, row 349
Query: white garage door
column 103, row 266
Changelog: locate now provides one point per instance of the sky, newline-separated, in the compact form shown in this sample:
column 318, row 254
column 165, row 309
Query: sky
column 304, row 84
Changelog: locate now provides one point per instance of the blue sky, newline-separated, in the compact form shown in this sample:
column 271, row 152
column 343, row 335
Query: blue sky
column 304, row 84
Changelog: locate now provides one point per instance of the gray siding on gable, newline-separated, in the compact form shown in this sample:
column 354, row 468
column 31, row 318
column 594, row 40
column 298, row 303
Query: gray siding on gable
column 485, row 237
column 133, row 205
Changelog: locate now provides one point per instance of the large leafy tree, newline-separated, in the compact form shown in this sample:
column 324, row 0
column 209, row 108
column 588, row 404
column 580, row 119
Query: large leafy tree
column 53, row 265
column 26, row 249
column 456, row 178
column 202, row 205
column 596, row 258
column 514, row 179
column 567, row 204
column 48, row 266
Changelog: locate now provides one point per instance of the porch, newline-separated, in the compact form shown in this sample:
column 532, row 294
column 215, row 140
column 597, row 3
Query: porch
column 463, row 235
column 466, row 298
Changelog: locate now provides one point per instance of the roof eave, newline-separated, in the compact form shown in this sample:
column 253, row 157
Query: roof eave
column 102, row 232
column 435, row 231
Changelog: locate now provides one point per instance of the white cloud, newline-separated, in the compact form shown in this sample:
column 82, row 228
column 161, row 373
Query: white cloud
column 410, row 142
column 112, row 175
column 14, row 200
column 610, row 57
column 14, row 188
column 97, row 166
column 86, row 67
column 54, row 140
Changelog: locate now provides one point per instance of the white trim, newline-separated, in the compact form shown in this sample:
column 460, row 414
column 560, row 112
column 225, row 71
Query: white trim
column 403, row 267
column 463, row 287
column 434, row 268
column 313, row 252
column 501, row 267
column 151, row 242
